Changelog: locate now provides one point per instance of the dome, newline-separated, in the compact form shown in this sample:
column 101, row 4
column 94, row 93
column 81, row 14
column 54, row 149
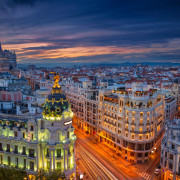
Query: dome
column 56, row 104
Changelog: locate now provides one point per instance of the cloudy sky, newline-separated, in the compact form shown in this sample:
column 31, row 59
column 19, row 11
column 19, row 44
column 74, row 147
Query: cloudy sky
column 91, row 31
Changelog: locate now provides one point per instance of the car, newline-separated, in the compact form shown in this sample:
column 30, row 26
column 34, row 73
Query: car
column 157, row 171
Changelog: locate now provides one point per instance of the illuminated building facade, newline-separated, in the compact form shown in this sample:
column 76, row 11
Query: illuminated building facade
column 170, row 151
column 37, row 143
column 129, row 120
column 84, row 104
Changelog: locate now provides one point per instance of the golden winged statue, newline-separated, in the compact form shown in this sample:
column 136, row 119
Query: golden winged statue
column 56, row 79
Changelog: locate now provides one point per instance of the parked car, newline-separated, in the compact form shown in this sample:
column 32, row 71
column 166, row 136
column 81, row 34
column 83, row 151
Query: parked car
column 157, row 171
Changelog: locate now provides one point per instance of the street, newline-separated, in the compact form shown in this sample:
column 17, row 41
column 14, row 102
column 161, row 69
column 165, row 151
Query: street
column 100, row 162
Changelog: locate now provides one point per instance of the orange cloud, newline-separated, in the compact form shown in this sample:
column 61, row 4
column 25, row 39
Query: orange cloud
column 74, row 52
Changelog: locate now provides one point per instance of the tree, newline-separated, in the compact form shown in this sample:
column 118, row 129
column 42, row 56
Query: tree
column 12, row 173
column 49, row 175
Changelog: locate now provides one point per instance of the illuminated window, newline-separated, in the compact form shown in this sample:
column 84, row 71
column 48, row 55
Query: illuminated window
column 147, row 137
column 141, row 114
column 126, row 134
column 127, row 112
column 133, row 113
column 132, row 136
column 133, row 120
column 15, row 124
column 126, row 120
column 140, row 130
column 148, row 120
column 140, row 137
column 141, row 122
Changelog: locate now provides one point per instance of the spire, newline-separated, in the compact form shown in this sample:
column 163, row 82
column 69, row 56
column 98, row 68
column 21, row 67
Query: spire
column 0, row 46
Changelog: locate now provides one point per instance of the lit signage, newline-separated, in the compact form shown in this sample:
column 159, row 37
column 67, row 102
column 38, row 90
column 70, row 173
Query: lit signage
column 67, row 123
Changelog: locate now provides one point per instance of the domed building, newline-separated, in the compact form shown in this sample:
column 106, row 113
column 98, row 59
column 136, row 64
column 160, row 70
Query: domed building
column 38, row 142
column 58, row 130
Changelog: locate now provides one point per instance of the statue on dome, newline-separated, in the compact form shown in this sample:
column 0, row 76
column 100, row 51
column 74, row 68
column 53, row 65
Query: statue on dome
column 56, row 79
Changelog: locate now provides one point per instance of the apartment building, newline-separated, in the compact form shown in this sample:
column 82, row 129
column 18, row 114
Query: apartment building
column 170, row 108
column 170, row 151
column 84, row 103
column 130, row 119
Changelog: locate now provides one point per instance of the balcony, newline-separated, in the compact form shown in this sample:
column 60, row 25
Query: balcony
column 59, row 157
column 24, row 153
column 141, row 124
column 134, row 124
column 31, row 155
column 15, row 152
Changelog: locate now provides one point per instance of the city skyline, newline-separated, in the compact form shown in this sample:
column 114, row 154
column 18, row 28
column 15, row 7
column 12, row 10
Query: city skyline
column 91, row 32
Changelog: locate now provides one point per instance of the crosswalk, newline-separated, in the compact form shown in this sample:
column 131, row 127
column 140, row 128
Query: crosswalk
column 145, row 175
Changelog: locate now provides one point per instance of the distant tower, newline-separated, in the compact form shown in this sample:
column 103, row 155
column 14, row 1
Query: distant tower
column 0, row 47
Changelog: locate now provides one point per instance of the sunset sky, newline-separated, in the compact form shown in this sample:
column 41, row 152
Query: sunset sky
column 91, row 31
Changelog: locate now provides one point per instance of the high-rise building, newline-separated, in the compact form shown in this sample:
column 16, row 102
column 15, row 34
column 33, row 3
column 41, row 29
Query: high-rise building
column 35, row 143
column 7, row 59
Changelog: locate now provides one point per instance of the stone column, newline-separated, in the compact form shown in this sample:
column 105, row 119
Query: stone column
column 42, row 156
column 64, row 160
column 67, row 159
column 37, row 157
column 54, row 159
column 50, row 160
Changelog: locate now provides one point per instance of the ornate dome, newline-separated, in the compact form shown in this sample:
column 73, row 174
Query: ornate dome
column 56, row 104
